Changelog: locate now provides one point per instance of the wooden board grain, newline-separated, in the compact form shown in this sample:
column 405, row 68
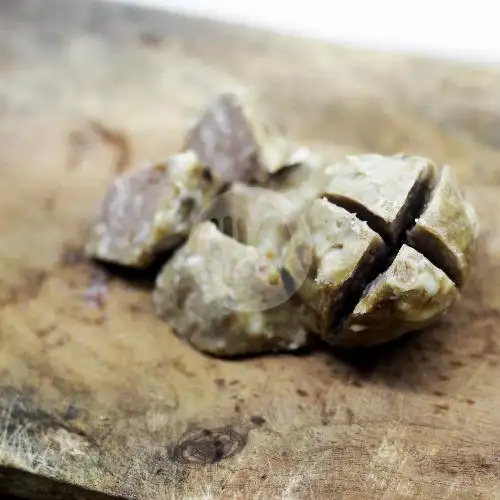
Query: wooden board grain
column 98, row 397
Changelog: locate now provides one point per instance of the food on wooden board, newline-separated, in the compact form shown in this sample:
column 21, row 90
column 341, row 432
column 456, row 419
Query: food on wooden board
column 357, row 252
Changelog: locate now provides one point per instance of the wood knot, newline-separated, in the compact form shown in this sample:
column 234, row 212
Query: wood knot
column 208, row 446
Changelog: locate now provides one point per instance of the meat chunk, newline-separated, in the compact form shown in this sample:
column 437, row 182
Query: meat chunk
column 410, row 295
column 386, row 191
column 225, row 298
column 150, row 210
column 340, row 249
column 238, row 141
column 447, row 229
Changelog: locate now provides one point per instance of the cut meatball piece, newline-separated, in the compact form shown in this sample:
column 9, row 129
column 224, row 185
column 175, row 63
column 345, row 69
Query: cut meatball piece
column 221, row 297
column 447, row 229
column 386, row 191
column 150, row 210
column 341, row 250
column 410, row 295
column 238, row 140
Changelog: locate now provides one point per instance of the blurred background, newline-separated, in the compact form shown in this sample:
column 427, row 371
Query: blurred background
column 461, row 29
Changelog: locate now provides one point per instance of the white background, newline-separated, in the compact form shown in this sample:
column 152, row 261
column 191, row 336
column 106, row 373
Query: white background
column 461, row 29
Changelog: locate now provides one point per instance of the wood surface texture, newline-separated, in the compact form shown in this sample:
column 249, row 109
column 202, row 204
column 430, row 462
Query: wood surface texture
column 96, row 394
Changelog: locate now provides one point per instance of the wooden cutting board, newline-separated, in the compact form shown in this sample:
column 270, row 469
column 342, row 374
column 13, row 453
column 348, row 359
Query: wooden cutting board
column 97, row 393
